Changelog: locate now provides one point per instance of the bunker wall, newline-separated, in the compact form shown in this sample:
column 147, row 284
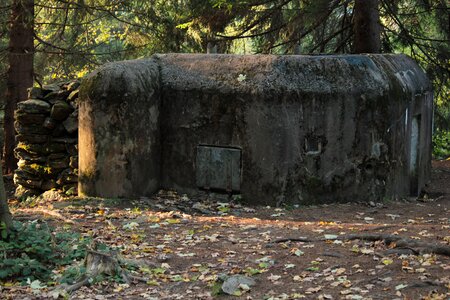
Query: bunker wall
column 119, row 136
column 298, row 129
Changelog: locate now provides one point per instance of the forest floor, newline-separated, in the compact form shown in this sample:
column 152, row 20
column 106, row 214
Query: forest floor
column 190, row 245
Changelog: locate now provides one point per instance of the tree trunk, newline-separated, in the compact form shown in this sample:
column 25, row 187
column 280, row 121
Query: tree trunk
column 5, row 215
column 367, row 27
column 20, row 71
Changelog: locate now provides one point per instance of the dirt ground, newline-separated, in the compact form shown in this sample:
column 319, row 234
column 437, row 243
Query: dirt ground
column 196, row 243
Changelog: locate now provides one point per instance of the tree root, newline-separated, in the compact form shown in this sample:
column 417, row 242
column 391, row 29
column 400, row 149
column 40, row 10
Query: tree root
column 418, row 247
column 299, row 239
column 424, row 284
column 98, row 263
column 400, row 245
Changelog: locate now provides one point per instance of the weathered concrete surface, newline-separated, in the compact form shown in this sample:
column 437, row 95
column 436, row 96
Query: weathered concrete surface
column 119, row 130
column 310, row 128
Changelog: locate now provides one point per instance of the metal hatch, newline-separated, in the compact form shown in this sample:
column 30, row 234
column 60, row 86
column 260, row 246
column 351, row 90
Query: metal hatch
column 218, row 168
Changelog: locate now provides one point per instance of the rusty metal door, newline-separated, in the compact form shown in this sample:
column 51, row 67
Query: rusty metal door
column 219, row 168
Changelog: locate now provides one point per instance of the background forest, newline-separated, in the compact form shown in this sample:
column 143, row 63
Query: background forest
column 69, row 38
column 46, row 41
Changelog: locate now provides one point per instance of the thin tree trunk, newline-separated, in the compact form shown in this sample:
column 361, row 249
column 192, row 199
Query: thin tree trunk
column 367, row 28
column 5, row 215
column 20, row 71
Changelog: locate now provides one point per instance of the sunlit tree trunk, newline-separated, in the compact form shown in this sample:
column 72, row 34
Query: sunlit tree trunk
column 20, row 71
column 367, row 27
column 5, row 215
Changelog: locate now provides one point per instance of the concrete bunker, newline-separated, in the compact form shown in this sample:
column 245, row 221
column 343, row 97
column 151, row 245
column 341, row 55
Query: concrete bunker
column 299, row 129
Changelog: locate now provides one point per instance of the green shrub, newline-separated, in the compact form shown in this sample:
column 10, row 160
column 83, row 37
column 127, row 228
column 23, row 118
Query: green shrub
column 31, row 251
column 441, row 144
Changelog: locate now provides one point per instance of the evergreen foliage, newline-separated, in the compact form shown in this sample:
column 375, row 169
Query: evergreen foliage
column 74, row 37
column 31, row 251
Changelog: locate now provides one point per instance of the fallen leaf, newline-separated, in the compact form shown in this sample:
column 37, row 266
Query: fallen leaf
column 274, row 277
column 400, row 286
column 313, row 290
column 289, row 266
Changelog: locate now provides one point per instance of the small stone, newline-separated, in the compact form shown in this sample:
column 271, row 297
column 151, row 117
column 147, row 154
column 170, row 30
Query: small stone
column 61, row 110
column 35, row 93
column 49, row 123
column 25, row 155
column 50, row 195
column 33, row 106
column 56, row 96
column 23, row 192
column 233, row 283
column 42, row 149
column 48, row 88
column 22, row 172
column 25, row 118
column 28, row 183
column 71, row 123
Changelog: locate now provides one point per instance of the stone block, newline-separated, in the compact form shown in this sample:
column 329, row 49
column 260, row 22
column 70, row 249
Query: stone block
column 71, row 123
column 35, row 93
column 24, row 118
column 30, row 128
column 33, row 106
column 61, row 110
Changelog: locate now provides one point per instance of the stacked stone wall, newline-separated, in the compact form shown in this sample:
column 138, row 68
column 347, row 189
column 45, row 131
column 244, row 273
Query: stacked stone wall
column 47, row 140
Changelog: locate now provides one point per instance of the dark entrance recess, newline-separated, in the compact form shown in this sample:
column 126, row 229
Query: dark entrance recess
column 414, row 156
